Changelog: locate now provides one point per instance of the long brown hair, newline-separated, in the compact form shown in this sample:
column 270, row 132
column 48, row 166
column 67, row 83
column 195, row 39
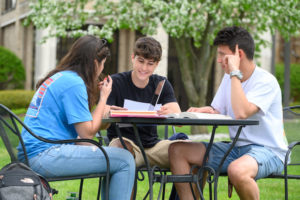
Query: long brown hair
column 80, row 59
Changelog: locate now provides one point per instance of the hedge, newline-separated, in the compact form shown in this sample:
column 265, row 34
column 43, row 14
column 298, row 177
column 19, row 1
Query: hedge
column 12, row 72
column 15, row 99
column 294, row 80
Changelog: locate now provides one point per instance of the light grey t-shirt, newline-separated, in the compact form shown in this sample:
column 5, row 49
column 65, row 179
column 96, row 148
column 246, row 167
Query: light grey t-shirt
column 261, row 89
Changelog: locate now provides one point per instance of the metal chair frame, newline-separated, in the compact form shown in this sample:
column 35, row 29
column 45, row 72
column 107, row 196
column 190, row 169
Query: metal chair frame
column 157, row 172
column 291, row 146
column 285, row 174
column 11, row 122
column 160, row 175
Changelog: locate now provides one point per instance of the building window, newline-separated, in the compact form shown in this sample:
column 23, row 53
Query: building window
column 9, row 5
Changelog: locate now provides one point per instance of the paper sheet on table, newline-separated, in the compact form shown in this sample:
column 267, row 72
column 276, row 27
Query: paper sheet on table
column 135, row 105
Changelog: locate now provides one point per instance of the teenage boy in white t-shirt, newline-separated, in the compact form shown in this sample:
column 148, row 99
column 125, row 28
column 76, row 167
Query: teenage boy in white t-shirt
column 246, row 92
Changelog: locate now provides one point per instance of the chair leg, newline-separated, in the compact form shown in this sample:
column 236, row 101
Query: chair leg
column 148, row 193
column 193, row 192
column 230, row 188
column 164, row 191
column 286, row 189
column 210, row 187
column 286, row 179
column 162, row 187
column 80, row 188
column 99, row 188
column 135, row 185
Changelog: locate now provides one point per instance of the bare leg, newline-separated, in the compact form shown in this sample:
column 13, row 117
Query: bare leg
column 117, row 143
column 182, row 156
column 241, row 173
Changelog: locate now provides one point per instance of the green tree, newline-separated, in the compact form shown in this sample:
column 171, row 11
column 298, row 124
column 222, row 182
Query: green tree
column 192, row 25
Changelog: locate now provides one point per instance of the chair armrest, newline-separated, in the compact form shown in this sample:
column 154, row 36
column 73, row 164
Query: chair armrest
column 71, row 141
column 290, row 148
column 65, row 141
column 77, row 140
column 57, row 141
column 293, row 144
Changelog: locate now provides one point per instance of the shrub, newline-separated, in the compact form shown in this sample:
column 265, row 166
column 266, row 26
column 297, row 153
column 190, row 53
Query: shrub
column 12, row 72
column 15, row 99
column 294, row 80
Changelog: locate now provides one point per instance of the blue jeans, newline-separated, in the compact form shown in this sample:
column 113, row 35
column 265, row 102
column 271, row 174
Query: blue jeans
column 268, row 162
column 68, row 160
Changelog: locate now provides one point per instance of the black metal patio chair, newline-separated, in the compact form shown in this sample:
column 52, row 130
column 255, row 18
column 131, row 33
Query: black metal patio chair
column 157, row 172
column 291, row 114
column 10, row 126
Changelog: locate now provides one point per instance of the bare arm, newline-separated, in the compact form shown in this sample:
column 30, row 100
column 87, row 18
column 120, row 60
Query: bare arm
column 88, row 129
column 168, row 108
column 107, row 109
column 205, row 109
column 242, row 108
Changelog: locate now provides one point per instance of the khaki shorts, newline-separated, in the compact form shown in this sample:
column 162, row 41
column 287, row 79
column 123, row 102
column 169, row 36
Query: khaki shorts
column 157, row 155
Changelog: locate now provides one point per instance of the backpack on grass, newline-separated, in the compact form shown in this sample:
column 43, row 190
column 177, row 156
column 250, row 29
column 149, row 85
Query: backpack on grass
column 18, row 181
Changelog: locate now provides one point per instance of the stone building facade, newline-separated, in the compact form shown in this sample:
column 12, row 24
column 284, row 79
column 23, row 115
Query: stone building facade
column 16, row 37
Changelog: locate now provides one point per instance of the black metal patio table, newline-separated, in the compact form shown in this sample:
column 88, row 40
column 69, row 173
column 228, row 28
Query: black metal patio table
column 175, row 122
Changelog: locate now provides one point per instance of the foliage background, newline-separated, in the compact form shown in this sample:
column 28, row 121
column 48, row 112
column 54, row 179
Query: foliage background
column 294, row 80
column 12, row 72
column 192, row 25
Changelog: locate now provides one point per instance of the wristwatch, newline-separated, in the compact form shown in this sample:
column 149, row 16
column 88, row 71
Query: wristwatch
column 236, row 73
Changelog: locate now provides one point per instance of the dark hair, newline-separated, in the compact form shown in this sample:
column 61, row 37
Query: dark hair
column 231, row 36
column 80, row 59
column 148, row 48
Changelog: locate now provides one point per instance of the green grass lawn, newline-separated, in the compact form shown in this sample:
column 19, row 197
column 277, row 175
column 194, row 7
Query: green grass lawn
column 270, row 189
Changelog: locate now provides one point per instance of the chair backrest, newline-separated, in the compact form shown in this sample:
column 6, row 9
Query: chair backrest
column 291, row 117
column 10, row 132
column 291, row 113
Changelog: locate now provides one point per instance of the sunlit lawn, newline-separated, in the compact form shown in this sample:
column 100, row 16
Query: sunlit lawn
column 272, row 189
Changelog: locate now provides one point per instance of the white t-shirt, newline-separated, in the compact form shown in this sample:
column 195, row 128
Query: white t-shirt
column 261, row 89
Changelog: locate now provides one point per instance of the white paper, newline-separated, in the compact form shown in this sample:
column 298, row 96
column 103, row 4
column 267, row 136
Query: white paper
column 135, row 105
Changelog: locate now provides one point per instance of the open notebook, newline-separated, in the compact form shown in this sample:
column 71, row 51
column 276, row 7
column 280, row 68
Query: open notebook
column 196, row 115
column 153, row 114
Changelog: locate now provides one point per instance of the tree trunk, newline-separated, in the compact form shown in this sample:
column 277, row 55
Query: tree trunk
column 199, row 130
column 195, row 66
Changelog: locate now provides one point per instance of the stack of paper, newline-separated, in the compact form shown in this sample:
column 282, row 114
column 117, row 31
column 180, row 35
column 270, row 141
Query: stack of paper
column 135, row 113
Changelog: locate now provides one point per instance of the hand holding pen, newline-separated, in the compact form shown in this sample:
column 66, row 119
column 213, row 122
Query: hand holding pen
column 105, row 87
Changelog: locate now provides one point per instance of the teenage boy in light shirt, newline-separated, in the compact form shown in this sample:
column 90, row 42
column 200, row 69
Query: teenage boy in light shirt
column 246, row 92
